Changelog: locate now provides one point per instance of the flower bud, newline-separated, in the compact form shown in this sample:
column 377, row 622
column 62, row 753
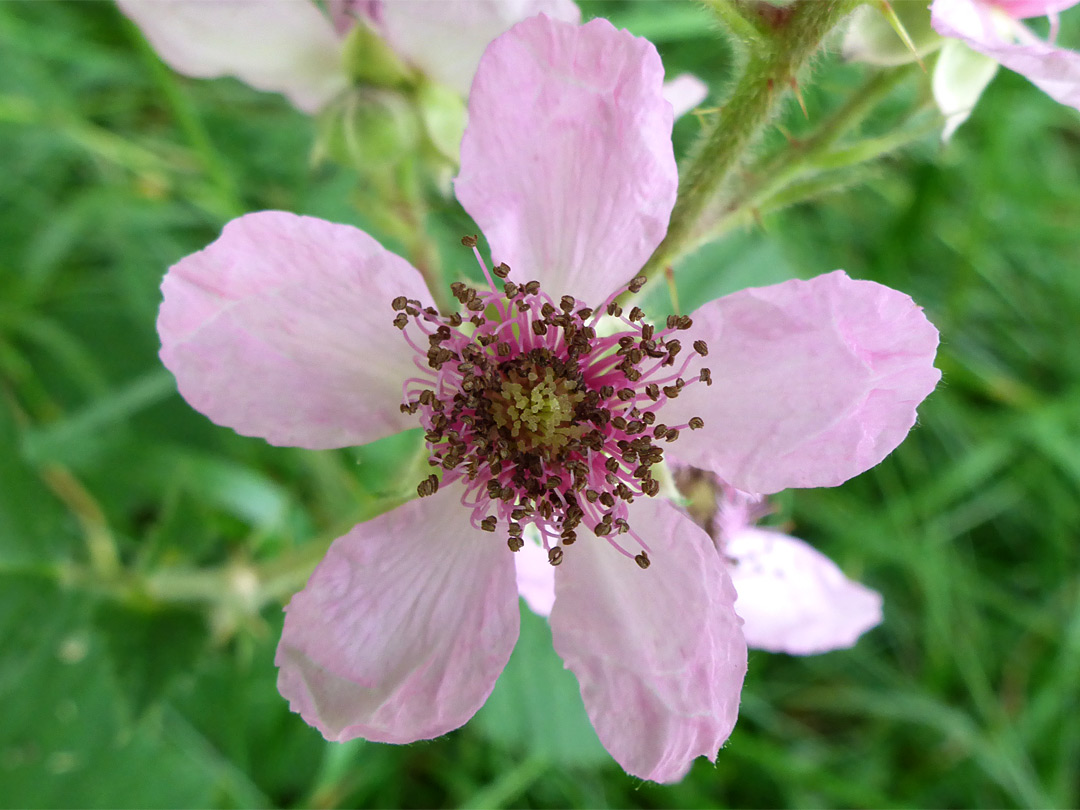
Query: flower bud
column 443, row 114
column 368, row 60
column 367, row 128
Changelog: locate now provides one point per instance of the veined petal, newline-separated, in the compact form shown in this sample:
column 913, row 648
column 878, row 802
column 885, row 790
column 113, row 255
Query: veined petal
column 567, row 164
column 446, row 39
column 813, row 382
column 282, row 328
column 403, row 629
column 535, row 577
column 792, row 598
column 659, row 653
column 282, row 46
column 1055, row 71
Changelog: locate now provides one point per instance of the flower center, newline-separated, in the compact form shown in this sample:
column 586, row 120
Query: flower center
column 535, row 407
column 544, row 421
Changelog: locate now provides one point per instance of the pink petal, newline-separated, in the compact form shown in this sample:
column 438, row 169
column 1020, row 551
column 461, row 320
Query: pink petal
column 535, row 578
column 403, row 628
column 813, row 382
column 659, row 653
column 282, row 329
column 280, row 46
column 1055, row 71
column 1019, row 9
column 446, row 39
column 685, row 92
column 792, row 598
column 567, row 164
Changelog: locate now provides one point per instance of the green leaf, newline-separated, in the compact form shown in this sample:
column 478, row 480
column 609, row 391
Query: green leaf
column 536, row 709
column 148, row 649
column 63, row 740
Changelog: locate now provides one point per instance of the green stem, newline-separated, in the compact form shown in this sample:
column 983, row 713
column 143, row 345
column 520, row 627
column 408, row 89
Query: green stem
column 742, row 27
column 771, row 68
column 770, row 177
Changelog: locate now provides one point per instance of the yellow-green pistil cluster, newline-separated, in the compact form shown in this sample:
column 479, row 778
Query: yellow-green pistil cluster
column 537, row 409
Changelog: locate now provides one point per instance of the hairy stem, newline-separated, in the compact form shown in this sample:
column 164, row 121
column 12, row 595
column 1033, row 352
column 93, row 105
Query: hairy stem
column 794, row 35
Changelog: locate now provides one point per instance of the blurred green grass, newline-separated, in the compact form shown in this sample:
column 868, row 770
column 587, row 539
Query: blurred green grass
column 123, row 684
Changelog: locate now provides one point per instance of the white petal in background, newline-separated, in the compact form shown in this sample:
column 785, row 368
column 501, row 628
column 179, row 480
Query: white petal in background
column 792, row 598
column 283, row 47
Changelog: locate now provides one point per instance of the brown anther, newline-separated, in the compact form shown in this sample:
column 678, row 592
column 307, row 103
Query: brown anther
column 636, row 314
column 399, row 303
column 672, row 435
column 636, row 283
column 684, row 322
column 569, row 537
column 567, row 303
column 672, row 321
column 502, row 270
column 648, row 417
column 671, row 391
column 539, row 328
column 489, row 523
column 470, row 241
column 455, row 319
column 585, row 313
column 647, row 331
column 401, row 320
column 614, row 309
column 510, row 289
column 612, row 465
column 591, row 495
column 515, row 543
column 555, row 555
column 626, row 394
column 701, row 348
column 696, row 423
column 651, row 487
column 706, row 376
column 642, row 560
column 652, row 391
column 532, row 288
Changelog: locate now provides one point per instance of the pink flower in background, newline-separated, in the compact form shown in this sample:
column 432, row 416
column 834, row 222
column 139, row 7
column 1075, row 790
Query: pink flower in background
column 993, row 29
column 309, row 333
column 294, row 48
column 790, row 597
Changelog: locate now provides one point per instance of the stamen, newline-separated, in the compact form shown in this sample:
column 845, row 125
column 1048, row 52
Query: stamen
column 532, row 410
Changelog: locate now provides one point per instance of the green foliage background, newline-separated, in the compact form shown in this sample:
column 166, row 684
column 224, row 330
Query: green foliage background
column 145, row 553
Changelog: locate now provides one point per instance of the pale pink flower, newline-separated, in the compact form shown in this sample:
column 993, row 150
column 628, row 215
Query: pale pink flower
column 791, row 598
column 282, row 329
column 294, row 48
column 993, row 29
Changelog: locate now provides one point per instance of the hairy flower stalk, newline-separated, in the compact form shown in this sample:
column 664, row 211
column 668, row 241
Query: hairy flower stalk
column 773, row 64
column 543, row 420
